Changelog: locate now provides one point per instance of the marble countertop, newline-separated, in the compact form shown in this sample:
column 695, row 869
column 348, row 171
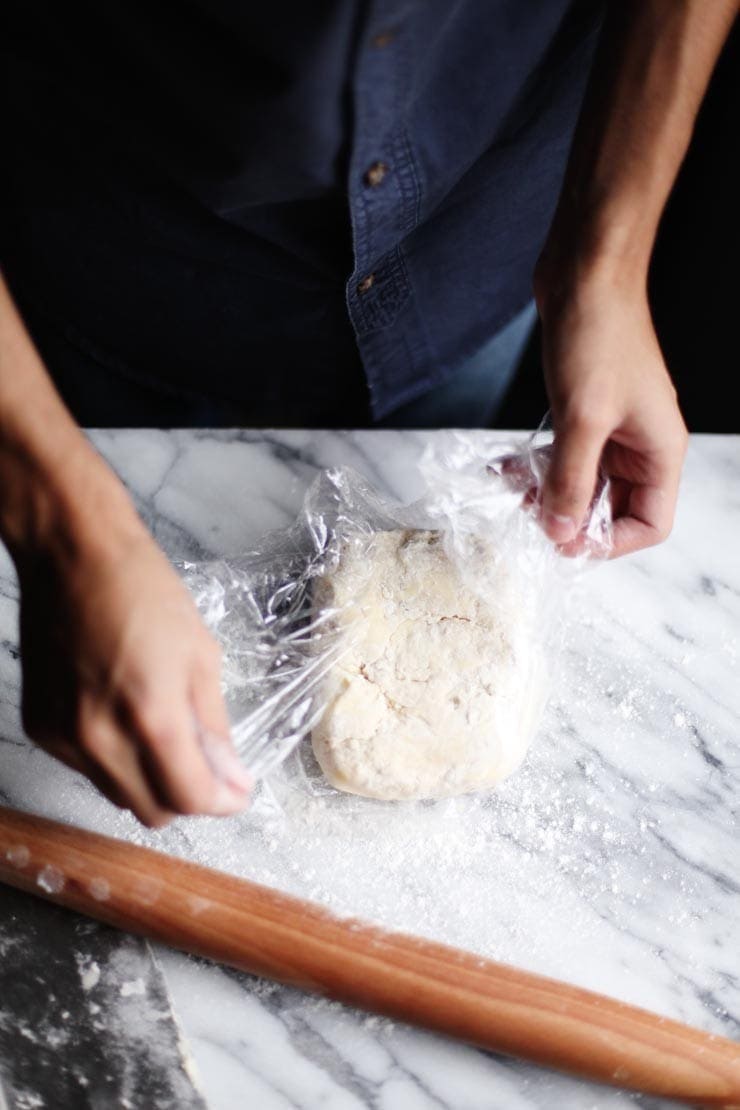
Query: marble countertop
column 610, row 859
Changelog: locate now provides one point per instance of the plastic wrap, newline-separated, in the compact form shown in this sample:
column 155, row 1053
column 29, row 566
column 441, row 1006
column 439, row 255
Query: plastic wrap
column 282, row 639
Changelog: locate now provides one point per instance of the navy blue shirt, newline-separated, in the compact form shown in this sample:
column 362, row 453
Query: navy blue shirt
column 295, row 207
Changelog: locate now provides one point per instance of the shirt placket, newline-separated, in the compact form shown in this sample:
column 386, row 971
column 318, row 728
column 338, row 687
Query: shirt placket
column 383, row 189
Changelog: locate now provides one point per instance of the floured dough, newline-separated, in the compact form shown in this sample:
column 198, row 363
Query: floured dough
column 441, row 688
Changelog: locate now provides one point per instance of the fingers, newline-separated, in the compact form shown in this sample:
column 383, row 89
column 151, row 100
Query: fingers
column 644, row 489
column 116, row 664
column 642, row 517
column 173, row 755
column 126, row 787
column 73, row 758
column 111, row 760
column 571, row 478
column 516, row 472
column 213, row 729
column 647, row 520
column 162, row 753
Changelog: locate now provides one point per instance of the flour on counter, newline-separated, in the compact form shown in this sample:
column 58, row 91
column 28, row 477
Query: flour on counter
column 132, row 986
column 89, row 973
column 561, row 861
column 609, row 859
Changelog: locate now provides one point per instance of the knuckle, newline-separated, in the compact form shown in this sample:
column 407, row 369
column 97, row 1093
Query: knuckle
column 657, row 535
column 152, row 721
column 566, row 487
column 664, row 531
column 676, row 438
column 587, row 410
column 681, row 441
column 163, row 737
column 586, row 424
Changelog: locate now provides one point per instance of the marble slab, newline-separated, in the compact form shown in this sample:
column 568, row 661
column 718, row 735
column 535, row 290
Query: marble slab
column 610, row 859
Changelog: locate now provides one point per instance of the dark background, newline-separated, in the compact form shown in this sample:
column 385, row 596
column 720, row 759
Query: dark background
column 694, row 274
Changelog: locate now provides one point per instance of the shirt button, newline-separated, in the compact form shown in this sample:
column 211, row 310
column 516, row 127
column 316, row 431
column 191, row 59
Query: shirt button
column 366, row 284
column 383, row 38
column 374, row 174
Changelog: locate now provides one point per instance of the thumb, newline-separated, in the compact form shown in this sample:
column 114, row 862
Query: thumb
column 571, row 478
column 212, row 723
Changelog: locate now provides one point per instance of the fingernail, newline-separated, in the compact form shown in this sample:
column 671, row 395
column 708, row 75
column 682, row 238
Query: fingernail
column 225, row 764
column 227, row 800
column 560, row 528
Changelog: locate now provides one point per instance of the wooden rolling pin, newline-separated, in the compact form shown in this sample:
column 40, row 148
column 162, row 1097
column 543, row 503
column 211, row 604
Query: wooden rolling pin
column 449, row 991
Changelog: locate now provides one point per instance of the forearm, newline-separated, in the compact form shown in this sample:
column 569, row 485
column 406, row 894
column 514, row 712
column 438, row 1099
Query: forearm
column 53, row 485
column 651, row 69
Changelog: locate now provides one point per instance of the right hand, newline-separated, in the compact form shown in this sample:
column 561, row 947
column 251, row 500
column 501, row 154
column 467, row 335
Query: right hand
column 121, row 680
column 614, row 407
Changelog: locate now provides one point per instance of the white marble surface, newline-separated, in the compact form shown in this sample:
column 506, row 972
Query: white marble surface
column 610, row 860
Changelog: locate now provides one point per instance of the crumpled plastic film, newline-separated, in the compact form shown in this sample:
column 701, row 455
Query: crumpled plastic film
column 279, row 643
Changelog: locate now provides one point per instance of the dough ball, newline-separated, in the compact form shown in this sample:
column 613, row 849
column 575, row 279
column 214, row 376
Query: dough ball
column 441, row 688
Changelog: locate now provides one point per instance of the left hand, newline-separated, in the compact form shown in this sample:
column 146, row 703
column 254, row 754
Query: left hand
column 613, row 404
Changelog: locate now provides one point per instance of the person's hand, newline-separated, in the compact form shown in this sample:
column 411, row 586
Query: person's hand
column 121, row 678
column 613, row 405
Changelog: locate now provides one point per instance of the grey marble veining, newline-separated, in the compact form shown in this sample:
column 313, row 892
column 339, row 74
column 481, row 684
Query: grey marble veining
column 610, row 860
